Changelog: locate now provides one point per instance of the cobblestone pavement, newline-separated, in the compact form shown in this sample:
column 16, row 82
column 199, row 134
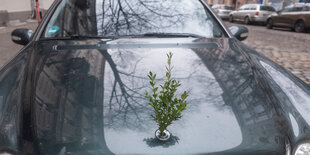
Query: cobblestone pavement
column 287, row 48
column 8, row 49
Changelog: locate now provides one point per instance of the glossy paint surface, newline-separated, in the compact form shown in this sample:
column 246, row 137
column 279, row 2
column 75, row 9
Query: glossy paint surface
column 12, row 78
column 93, row 100
column 131, row 130
column 78, row 100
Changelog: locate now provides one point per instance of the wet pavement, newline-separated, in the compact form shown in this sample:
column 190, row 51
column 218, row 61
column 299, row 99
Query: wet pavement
column 287, row 48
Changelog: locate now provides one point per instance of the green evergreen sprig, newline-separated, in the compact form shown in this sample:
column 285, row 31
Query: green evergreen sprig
column 167, row 108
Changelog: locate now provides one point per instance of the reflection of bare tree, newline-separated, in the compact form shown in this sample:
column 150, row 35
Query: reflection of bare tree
column 129, row 101
column 122, row 86
column 123, row 17
column 131, row 17
column 248, row 96
column 78, row 17
column 125, row 103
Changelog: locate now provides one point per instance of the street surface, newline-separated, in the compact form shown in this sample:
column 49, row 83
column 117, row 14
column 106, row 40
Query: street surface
column 287, row 48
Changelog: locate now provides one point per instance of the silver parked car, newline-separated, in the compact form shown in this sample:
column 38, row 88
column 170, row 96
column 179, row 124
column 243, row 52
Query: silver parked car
column 222, row 10
column 251, row 13
column 295, row 16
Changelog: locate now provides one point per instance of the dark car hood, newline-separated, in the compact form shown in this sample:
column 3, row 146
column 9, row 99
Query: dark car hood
column 94, row 98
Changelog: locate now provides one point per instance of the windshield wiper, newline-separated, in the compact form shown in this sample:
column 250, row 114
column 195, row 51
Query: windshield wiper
column 158, row 35
column 76, row 37
column 169, row 35
column 86, row 37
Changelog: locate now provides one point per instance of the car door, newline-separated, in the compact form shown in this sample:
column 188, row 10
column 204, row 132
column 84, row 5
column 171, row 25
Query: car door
column 244, row 12
column 294, row 15
column 239, row 12
column 252, row 11
column 283, row 16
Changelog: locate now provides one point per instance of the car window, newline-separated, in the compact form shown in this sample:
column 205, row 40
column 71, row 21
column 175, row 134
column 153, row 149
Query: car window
column 118, row 18
column 306, row 8
column 267, row 8
column 289, row 8
column 243, row 7
column 253, row 7
column 247, row 8
column 226, row 7
column 298, row 8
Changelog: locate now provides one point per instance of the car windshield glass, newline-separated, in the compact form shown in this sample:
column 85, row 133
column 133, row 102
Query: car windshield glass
column 267, row 8
column 99, row 18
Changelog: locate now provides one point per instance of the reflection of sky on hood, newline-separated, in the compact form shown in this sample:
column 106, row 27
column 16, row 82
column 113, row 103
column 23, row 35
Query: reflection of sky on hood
column 298, row 97
column 207, row 125
column 162, row 16
column 294, row 125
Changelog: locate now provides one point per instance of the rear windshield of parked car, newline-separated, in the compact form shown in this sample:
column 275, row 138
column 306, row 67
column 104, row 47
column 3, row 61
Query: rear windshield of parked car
column 131, row 17
column 267, row 8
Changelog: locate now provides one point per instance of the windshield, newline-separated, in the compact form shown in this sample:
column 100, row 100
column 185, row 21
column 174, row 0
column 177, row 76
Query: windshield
column 100, row 18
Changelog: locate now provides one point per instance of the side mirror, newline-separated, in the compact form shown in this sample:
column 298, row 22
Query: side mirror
column 21, row 36
column 240, row 32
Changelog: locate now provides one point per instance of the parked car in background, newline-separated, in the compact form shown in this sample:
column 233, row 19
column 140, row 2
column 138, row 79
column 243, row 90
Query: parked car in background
column 222, row 10
column 251, row 13
column 295, row 16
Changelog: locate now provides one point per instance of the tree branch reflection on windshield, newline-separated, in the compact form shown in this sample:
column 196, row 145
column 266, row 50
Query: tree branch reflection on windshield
column 130, row 17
